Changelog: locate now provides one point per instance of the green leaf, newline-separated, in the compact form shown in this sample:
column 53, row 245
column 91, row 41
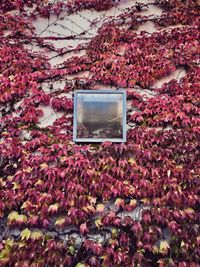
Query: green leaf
column 36, row 235
column 4, row 253
column 71, row 249
column 25, row 234
column 80, row 264
column 9, row 243
column 114, row 232
column 15, row 217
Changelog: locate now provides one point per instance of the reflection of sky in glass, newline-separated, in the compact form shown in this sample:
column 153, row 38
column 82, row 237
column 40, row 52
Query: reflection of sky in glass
column 99, row 97
column 99, row 108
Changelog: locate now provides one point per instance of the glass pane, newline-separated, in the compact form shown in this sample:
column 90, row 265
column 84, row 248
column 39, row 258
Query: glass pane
column 99, row 115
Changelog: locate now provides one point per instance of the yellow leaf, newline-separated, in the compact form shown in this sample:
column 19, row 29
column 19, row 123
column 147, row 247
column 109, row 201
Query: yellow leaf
column 9, row 243
column 11, row 77
column 179, row 189
column 119, row 202
column 145, row 201
column 13, row 216
column 164, row 246
column 132, row 161
column 21, row 244
column 179, row 166
column 9, row 178
column 80, row 264
column 98, row 223
column 114, row 232
column 133, row 202
column 62, row 159
column 53, row 207
column 36, row 235
column 131, row 189
column 5, row 133
column 182, row 243
column 25, row 234
column 2, row 182
column 89, row 208
column 39, row 182
column 113, row 242
column 28, row 170
column 44, row 165
column 155, row 249
column 189, row 210
column 25, row 204
column 100, row 208
column 92, row 199
column 15, row 185
column 60, row 221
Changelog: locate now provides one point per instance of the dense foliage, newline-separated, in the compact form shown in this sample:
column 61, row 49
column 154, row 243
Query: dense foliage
column 66, row 204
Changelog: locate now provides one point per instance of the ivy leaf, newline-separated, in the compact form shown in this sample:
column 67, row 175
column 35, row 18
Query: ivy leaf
column 36, row 235
column 84, row 229
column 28, row 169
column 39, row 182
column 98, row 223
column 80, row 264
column 133, row 203
column 132, row 161
column 100, row 208
column 44, row 165
column 71, row 249
column 119, row 202
column 4, row 253
column 189, row 210
column 60, row 222
column 15, row 185
column 164, row 247
column 53, row 208
column 17, row 218
column 25, row 234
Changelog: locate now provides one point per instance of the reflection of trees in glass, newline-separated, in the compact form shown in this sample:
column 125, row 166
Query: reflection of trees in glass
column 113, row 130
column 107, row 130
column 82, row 131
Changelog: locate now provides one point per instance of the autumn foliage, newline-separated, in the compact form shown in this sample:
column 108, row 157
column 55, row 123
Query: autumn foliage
column 67, row 204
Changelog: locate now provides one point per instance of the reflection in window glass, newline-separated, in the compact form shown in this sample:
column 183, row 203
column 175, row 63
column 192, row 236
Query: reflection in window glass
column 99, row 115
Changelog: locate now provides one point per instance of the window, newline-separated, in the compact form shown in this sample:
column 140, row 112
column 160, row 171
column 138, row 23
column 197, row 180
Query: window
column 99, row 115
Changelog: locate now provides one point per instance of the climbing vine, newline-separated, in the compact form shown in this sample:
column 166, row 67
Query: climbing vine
column 67, row 204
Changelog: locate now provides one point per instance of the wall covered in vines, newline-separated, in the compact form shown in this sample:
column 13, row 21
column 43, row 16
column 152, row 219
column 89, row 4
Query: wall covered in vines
column 68, row 204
